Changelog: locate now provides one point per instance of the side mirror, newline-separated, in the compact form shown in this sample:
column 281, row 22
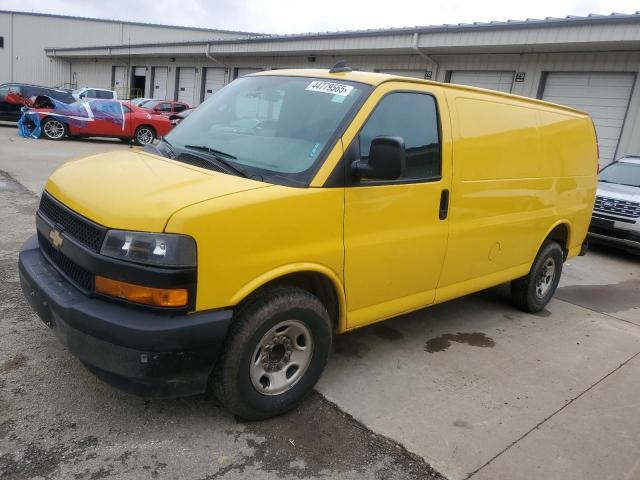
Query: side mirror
column 387, row 159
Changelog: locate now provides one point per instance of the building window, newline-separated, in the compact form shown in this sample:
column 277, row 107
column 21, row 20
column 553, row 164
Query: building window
column 1, row 42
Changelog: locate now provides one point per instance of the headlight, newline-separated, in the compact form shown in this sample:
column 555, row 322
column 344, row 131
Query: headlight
column 162, row 249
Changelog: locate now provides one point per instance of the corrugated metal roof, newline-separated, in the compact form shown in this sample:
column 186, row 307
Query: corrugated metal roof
column 145, row 24
column 569, row 20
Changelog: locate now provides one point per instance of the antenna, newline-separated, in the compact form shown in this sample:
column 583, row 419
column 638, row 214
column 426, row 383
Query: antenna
column 339, row 67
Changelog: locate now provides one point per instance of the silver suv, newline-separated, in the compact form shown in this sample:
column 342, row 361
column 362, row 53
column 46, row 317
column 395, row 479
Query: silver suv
column 616, row 214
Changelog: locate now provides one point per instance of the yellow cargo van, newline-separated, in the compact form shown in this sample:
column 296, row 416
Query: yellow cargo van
column 294, row 205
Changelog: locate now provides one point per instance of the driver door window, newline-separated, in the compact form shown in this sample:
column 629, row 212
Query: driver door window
column 414, row 117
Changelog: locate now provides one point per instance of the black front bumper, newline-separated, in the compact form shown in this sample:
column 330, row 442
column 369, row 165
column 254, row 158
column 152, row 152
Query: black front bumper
column 139, row 351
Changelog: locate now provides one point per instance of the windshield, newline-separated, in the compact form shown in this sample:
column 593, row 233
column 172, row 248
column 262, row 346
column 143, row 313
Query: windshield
column 621, row 173
column 272, row 127
column 150, row 103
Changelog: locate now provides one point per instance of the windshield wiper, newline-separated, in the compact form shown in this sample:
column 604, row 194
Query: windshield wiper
column 220, row 161
column 168, row 147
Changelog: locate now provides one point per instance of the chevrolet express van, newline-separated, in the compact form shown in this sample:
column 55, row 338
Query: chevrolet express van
column 298, row 204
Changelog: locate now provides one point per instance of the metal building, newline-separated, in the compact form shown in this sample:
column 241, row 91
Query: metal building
column 591, row 63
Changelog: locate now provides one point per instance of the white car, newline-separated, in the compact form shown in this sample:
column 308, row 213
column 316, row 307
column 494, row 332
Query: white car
column 101, row 93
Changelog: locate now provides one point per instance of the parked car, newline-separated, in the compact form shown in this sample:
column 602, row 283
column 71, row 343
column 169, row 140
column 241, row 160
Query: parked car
column 138, row 102
column 178, row 117
column 13, row 96
column 616, row 214
column 95, row 118
column 88, row 93
column 168, row 108
column 295, row 205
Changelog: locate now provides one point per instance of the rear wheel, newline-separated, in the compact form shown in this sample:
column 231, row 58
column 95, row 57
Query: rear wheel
column 276, row 350
column 532, row 292
column 144, row 135
column 54, row 129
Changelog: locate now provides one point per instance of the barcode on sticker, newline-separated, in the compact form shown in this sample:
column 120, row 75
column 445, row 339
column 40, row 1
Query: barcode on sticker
column 330, row 87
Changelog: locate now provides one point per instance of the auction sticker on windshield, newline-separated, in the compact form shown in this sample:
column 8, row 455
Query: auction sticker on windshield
column 330, row 87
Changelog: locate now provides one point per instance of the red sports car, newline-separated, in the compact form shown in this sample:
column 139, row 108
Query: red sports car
column 55, row 120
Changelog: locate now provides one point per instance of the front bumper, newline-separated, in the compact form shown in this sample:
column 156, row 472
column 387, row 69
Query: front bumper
column 621, row 232
column 140, row 351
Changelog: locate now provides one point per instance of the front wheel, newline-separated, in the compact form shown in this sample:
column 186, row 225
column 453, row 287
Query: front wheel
column 144, row 135
column 54, row 129
column 276, row 350
column 533, row 292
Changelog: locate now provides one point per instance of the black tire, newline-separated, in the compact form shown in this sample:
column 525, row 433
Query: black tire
column 53, row 129
column 232, row 382
column 532, row 292
column 142, row 133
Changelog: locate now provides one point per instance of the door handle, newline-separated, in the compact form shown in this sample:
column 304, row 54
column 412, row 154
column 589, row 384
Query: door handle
column 444, row 204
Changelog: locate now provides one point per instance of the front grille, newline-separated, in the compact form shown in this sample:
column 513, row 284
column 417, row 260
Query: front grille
column 622, row 208
column 84, row 231
column 72, row 270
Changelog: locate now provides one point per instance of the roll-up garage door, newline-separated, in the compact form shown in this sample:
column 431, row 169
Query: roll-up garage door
column 186, row 84
column 241, row 72
column 501, row 81
column 604, row 96
column 406, row 73
column 213, row 81
column 160, row 83
column 120, row 81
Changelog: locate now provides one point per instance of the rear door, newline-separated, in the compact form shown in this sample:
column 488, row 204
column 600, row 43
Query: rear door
column 395, row 238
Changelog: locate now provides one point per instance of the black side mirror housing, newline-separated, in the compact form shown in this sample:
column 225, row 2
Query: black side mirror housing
column 387, row 159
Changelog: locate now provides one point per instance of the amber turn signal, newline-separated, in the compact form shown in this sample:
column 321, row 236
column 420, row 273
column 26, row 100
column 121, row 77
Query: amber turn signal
column 159, row 297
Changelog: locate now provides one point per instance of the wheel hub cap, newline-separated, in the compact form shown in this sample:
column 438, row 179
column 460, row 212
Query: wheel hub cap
column 281, row 357
column 546, row 277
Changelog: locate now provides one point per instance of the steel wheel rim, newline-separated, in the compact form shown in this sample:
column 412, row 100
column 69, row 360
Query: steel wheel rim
column 54, row 129
column 145, row 136
column 281, row 357
column 546, row 277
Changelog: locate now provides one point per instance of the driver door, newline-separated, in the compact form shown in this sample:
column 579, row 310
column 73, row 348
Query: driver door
column 395, row 234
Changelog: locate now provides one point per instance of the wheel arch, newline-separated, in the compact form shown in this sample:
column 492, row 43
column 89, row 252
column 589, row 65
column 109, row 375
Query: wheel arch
column 317, row 279
column 560, row 232
column 57, row 119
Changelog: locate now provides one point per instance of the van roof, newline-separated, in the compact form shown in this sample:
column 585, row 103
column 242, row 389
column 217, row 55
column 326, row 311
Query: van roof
column 374, row 78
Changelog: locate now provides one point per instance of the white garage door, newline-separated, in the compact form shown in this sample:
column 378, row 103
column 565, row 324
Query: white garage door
column 186, row 84
column 160, row 75
column 213, row 81
column 120, row 82
column 246, row 71
column 406, row 73
column 604, row 96
column 501, row 81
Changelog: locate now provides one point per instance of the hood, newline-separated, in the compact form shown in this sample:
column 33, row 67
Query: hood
column 619, row 192
column 135, row 190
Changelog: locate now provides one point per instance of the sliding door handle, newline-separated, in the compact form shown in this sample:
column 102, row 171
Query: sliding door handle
column 444, row 204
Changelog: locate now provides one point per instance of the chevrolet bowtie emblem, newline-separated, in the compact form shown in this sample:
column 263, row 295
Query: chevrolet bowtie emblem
column 56, row 238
